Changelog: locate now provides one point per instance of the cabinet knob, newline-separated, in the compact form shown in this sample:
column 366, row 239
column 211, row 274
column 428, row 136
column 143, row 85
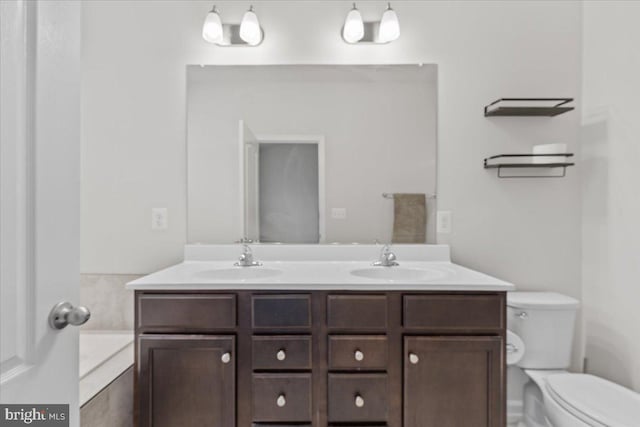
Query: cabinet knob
column 522, row 315
column 359, row 401
column 281, row 401
column 358, row 355
column 226, row 357
column 281, row 355
column 413, row 358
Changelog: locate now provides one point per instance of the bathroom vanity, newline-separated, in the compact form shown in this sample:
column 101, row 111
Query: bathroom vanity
column 316, row 341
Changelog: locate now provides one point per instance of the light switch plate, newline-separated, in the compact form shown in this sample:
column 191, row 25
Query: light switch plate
column 339, row 213
column 444, row 222
column 159, row 218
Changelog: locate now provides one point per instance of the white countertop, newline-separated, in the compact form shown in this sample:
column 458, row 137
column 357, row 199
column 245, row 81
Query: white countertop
column 312, row 268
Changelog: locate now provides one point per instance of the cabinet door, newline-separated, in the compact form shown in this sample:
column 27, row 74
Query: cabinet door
column 453, row 381
column 186, row 380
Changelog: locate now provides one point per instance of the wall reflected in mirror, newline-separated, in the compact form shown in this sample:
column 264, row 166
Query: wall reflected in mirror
column 304, row 153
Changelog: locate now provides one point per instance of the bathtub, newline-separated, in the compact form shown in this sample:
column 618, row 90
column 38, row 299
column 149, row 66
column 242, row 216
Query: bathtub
column 104, row 356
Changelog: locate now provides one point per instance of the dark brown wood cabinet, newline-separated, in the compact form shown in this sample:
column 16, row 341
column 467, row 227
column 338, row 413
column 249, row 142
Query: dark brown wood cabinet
column 453, row 381
column 188, row 380
column 320, row 358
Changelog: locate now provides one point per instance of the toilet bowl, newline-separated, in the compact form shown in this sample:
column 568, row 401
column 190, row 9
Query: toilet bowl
column 582, row 400
column 541, row 326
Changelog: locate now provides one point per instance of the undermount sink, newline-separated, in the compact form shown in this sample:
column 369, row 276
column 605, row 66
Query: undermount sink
column 238, row 273
column 398, row 273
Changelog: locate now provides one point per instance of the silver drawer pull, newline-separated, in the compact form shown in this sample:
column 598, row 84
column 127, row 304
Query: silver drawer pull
column 358, row 355
column 522, row 315
column 281, row 355
column 226, row 357
column 281, row 401
column 413, row 358
column 359, row 401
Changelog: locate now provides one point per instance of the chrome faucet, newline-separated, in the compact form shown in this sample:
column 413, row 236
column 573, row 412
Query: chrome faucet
column 246, row 259
column 387, row 258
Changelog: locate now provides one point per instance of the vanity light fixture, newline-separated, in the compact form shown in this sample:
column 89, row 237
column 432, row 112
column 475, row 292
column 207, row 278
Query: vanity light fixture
column 247, row 33
column 355, row 30
column 250, row 30
column 212, row 28
column 389, row 29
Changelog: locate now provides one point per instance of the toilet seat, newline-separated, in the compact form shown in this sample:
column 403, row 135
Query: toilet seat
column 595, row 401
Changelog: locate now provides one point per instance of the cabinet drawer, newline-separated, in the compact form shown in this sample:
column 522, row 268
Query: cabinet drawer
column 282, row 398
column 459, row 313
column 357, row 352
column 281, row 311
column 281, row 352
column 186, row 313
column 357, row 398
column 357, row 312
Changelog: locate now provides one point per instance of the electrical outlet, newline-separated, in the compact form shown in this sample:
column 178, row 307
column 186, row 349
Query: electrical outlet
column 339, row 213
column 159, row 219
column 444, row 222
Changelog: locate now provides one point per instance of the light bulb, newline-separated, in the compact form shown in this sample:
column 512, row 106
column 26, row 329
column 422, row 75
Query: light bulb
column 212, row 28
column 353, row 30
column 389, row 26
column 250, row 30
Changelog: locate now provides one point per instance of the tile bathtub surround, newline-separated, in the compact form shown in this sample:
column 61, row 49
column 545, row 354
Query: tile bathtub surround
column 113, row 406
column 104, row 356
column 110, row 303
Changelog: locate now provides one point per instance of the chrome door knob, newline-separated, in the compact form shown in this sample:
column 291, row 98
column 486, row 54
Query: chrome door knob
column 359, row 402
column 281, row 355
column 413, row 358
column 281, row 401
column 63, row 314
column 226, row 357
column 358, row 355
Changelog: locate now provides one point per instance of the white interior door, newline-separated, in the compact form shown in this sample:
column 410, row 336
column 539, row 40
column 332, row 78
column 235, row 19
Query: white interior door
column 250, row 177
column 297, row 139
column 39, row 194
column 289, row 190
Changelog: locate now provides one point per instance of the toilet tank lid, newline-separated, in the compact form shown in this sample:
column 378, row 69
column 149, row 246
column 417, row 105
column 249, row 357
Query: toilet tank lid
column 595, row 398
column 543, row 300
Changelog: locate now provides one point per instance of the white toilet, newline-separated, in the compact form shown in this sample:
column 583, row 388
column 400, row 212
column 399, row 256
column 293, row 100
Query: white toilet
column 542, row 325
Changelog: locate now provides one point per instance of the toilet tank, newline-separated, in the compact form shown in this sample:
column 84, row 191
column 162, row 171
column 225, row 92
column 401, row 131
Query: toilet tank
column 545, row 322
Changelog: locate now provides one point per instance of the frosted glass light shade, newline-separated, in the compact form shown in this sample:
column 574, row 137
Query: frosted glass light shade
column 250, row 30
column 389, row 26
column 212, row 28
column 353, row 29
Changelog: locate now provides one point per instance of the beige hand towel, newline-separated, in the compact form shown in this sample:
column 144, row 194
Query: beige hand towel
column 409, row 218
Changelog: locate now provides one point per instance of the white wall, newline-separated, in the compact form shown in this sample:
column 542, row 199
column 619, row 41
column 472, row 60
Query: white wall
column 611, row 206
column 378, row 124
column 523, row 230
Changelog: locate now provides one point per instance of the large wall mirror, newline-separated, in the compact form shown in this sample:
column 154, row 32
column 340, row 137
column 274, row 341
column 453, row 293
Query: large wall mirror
column 312, row 153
